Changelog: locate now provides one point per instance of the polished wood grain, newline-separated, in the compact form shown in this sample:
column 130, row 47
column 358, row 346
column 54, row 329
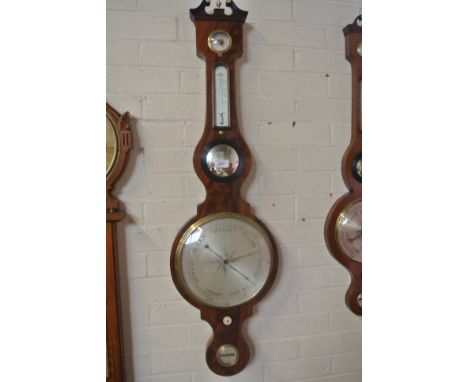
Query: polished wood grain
column 223, row 195
column 113, row 215
column 353, row 36
column 113, row 326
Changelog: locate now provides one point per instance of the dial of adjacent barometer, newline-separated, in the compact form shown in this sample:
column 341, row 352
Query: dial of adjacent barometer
column 349, row 230
column 224, row 260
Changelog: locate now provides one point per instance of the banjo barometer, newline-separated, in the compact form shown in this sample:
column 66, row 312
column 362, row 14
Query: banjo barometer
column 223, row 260
column 343, row 227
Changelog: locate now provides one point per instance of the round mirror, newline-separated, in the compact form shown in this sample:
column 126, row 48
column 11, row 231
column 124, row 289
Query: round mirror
column 222, row 160
column 111, row 146
column 357, row 168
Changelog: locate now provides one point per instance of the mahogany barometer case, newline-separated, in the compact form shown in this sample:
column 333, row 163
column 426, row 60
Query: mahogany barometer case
column 118, row 143
column 343, row 226
column 224, row 259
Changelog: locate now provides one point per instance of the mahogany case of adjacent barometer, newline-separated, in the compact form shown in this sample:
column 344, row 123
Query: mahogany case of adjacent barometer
column 343, row 226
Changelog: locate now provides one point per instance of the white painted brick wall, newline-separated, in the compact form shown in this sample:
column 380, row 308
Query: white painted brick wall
column 294, row 109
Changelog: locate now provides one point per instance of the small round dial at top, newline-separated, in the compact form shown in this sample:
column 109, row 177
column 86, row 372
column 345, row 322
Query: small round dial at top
column 224, row 260
column 219, row 41
column 349, row 230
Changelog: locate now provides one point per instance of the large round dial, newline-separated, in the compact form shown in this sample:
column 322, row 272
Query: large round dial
column 224, row 259
column 349, row 230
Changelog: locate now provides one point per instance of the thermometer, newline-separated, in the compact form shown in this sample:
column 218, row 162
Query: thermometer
column 221, row 97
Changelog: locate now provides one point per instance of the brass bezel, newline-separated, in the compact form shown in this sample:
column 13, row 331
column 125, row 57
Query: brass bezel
column 201, row 222
column 117, row 146
column 337, row 224
column 229, row 45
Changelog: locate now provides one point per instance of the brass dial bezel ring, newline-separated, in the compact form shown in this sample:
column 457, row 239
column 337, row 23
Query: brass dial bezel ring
column 219, row 216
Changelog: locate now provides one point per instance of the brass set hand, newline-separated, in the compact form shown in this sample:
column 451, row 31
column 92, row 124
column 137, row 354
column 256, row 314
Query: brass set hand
column 240, row 257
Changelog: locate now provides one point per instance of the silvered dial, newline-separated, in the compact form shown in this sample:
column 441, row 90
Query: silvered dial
column 224, row 260
column 221, row 89
column 227, row 355
column 349, row 230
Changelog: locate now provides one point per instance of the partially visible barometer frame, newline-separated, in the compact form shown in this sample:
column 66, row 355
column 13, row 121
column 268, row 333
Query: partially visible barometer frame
column 118, row 143
column 343, row 226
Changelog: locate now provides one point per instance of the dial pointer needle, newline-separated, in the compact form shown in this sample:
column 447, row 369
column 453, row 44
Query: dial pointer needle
column 248, row 254
column 244, row 276
column 227, row 263
column 214, row 253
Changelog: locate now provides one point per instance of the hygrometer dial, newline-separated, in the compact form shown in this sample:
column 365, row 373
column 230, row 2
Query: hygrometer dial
column 224, row 260
column 219, row 41
column 349, row 230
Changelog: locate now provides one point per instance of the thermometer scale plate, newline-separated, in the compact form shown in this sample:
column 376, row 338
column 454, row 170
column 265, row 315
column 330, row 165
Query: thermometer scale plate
column 221, row 89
